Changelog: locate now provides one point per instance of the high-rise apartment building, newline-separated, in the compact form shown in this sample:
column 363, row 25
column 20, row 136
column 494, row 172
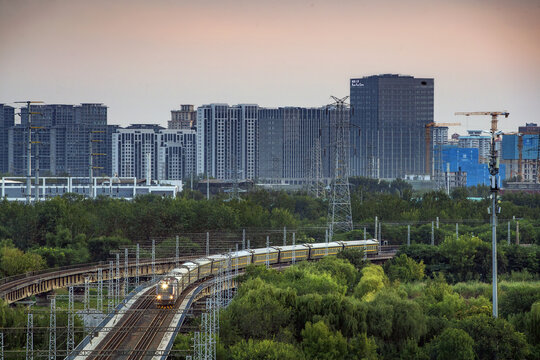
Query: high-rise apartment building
column 388, row 118
column 185, row 118
column 7, row 120
column 227, row 141
column 146, row 149
column 61, row 136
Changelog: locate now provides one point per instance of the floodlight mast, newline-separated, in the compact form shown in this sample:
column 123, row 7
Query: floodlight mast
column 494, row 188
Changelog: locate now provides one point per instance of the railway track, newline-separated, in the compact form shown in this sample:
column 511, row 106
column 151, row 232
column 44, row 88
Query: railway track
column 127, row 341
column 126, row 326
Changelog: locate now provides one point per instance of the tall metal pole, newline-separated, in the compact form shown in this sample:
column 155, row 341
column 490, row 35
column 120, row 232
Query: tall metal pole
column 177, row 252
column 294, row 248
column 408, row 235
column 153, row 259
column 29, row 156
column 494, row 188
column 126, row 272
column 110, row 288
column 207, row 243
column 52, row 330
column 36, row 184
column 284, row 236
column 508, row 233
column 90, row 168
column 30, row 337
column 432, row 234
column 326, row 242
column 118, row 276
column 99, row 301
column 268, row 251
column 70, row 342
column 365, row 233
column 137, row 266
column 243, row 239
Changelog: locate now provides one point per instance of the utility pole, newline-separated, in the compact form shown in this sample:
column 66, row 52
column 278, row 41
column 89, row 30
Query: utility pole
column 177, row 253
column 268, row 251
column 293, row 248
column 137, row 266
column 126, row 272
column 494, row 188
column 432, row 234
column 207, row 243
column 153, row 259
column 29, row 149
column 70, row 341
column 52, row 330
column 339, row 210
column 99, row 301
column 110, row 288
column 408, row 235
column 30, row 337
column 315, row 184
column 91, row 166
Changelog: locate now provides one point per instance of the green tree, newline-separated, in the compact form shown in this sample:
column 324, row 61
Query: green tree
column 454, row 344
column 494, row 338
column 405, row 269
column 264, row 350
column 373, row 279
column 319, row 343
column 14, row 261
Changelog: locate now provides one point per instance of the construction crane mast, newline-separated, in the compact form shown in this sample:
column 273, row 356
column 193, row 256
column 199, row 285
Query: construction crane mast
column 494, row 188
column 429, row 148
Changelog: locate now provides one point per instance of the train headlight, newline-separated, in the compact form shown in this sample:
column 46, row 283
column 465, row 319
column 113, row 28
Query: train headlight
column 164, row 285
column 170, row 297
column 159, row 297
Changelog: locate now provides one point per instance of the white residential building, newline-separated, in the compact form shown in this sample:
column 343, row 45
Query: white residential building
column 227, row 141
column 142, row 150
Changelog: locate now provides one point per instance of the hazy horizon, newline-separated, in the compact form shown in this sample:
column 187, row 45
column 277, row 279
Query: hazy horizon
column 143, row 59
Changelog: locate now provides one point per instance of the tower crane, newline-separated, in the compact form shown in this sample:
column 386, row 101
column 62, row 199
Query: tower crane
column 494, row 187
column 429, row 148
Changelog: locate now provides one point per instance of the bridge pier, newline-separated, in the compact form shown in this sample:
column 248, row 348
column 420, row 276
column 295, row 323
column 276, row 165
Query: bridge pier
column 42, row 299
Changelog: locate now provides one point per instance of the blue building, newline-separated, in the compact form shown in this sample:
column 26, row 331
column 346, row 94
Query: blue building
column 510, row 147
column 465, row 160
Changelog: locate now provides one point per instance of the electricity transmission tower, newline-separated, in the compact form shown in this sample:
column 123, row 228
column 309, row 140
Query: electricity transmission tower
column 316, row 185
column 339, row 205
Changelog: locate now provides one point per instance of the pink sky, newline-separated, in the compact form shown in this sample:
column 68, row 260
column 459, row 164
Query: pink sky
column 144, row 58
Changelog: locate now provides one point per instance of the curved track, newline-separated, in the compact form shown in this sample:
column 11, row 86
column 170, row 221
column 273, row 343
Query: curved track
column 135, row 336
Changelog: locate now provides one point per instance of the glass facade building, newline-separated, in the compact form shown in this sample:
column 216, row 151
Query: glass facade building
column 388, row 117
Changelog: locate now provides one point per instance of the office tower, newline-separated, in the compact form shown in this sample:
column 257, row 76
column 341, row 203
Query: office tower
column 185, row 118
column 7, row 120
column 388, row 117
column 287, row 136
column 143, row 149
column 227, row 141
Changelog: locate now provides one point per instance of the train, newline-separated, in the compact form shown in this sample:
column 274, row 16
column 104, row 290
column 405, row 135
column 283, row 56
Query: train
column 173, row 284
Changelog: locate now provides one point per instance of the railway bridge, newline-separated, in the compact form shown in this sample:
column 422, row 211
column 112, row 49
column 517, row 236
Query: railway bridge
column 23, row 286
